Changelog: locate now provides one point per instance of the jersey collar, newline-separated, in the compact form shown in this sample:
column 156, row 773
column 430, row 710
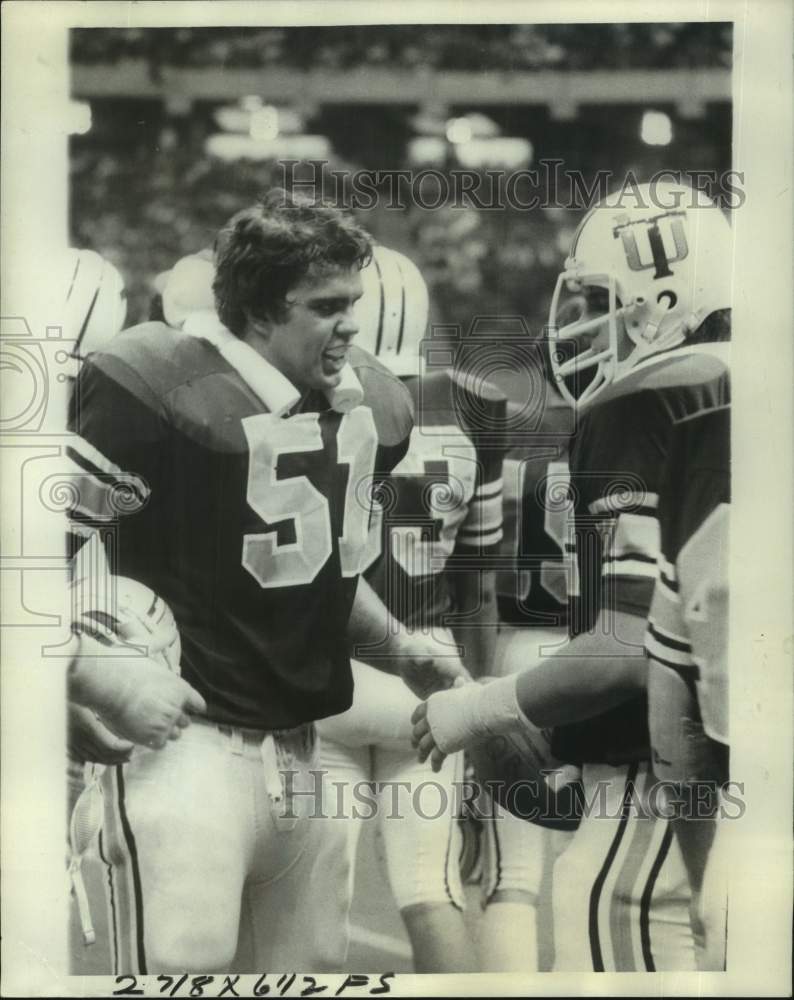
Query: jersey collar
column 274, row 389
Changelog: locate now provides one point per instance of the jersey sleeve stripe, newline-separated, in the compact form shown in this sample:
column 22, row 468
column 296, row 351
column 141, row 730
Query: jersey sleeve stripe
column 670, row 654
column 636, row 536
column 669, row 639
column 629, row 567
column 686, row 669
column 103, row 490
column 98, row 500
column 484, row 516
column 486, row 491
column 476, row 538
column 484, row 527
column 631, row 556
column 638, row 503
column 84, row 454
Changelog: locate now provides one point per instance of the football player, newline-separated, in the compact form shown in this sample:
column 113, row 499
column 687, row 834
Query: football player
column 515, row 933
column 252, row 434
column 655, row 274
column 687, row 647
column 444, row 503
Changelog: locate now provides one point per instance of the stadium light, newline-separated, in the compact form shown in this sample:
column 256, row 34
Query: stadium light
column 656, row 128
column 459, row 130
column 427, row 150
column 231, row 147
column 78, row 121
column 509, row 153
column 264, row 124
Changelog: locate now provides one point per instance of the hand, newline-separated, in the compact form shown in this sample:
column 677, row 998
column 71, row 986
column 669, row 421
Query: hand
column 428, row 665
column 422, row 737
column 89, row 740
column 451, row 720
column 137, row 698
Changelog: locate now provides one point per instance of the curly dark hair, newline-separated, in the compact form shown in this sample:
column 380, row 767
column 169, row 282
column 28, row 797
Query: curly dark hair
column 264, row 251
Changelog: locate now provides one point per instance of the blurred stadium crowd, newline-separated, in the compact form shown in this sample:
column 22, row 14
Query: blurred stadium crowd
column 501, row 47
column 145, row 190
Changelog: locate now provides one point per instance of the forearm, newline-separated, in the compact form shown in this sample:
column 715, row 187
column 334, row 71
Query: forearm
column 589, row 675
column 374, row 633
column 424, row 662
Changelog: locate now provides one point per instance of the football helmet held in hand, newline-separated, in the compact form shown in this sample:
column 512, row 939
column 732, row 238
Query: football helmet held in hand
column 126, row 615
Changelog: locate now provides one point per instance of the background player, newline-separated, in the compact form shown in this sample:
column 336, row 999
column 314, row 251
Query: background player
column 250, row 431
column 687, row 647
column 444, row 504
column 94, row 307
column 516, row 931
column 655, row 276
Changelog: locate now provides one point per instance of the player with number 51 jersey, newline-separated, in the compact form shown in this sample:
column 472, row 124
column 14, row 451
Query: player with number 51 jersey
column 251, row 524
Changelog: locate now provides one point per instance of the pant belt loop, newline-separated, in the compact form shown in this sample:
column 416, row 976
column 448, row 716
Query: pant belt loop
column 270, row 766
column 236, row 740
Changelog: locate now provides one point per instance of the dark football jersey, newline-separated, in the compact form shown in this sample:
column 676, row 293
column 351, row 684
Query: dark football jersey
column 251, row 526
column 538, row 540
column 537, row 565
column 444, row 498
column 688, row 623
column 618, row 458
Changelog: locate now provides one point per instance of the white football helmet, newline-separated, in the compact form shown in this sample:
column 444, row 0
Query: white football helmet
column 392, row 312
column 664, row 261
column 124, row 614
column 96, row 303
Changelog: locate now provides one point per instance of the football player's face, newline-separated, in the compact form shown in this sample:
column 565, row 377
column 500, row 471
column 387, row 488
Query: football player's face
column 597, row 304
column 310, row 347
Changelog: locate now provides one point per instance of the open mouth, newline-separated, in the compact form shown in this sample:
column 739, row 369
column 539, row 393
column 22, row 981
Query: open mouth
column 334, row 361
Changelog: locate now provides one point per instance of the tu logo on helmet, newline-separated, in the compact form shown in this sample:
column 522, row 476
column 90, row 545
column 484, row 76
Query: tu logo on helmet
column 663, row 232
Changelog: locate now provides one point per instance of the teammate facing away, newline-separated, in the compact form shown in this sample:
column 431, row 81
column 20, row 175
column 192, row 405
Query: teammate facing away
column 516, row 932
column 443, row 505
column 655, row 277
column 251, row 431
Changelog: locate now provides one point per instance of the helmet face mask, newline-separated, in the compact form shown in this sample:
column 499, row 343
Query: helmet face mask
column 602, row 359
column 663, row 270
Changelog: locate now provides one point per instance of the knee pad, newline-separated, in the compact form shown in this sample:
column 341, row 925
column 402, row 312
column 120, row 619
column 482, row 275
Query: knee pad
column 423, row 843
column 513, row 854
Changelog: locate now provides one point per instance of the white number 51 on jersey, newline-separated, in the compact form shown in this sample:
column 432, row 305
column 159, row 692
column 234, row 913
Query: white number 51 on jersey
column 297, row 499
